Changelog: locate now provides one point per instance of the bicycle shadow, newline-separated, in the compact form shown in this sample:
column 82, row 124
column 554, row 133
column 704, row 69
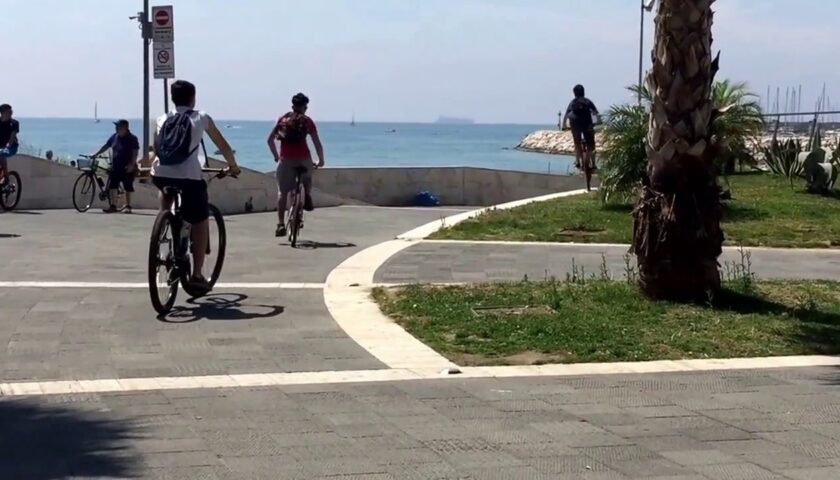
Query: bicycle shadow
column 20, row 212
column 220, row 306
column 313, row 245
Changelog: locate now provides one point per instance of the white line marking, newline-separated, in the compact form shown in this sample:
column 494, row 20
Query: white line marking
column 119, row 385
column 347, row 296
column 424, row 231
column 131, row 285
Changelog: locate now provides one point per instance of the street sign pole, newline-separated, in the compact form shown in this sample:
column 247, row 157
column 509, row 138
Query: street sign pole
column 166, row 95
column 146, row 27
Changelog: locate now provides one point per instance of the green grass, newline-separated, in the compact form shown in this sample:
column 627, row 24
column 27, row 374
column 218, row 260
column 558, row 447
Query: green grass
column 603, row 321
column 765, row 211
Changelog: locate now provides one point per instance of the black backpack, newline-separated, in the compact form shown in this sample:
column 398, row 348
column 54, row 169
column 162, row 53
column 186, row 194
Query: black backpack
column 294, row 128
column 174, row 139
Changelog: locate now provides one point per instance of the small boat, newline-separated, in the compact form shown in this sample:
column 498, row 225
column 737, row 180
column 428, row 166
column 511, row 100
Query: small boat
column 353, row 120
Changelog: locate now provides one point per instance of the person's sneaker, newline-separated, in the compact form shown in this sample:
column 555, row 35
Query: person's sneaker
column 111, row 209
column 127, row 209
column 199, row 283
column 281, row 230
column 308, row 205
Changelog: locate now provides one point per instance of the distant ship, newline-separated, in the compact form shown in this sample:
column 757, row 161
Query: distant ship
column 353, row 120
column 455, row 121
column 95, row 112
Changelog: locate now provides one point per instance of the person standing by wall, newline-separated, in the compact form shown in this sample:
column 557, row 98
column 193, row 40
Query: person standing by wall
column 125, row 149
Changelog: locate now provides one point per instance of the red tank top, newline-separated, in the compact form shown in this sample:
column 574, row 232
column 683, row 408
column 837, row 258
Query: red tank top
column 297, row 150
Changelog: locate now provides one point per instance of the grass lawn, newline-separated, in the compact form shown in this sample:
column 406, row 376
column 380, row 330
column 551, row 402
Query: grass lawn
column 765, row 211
column 603, row 321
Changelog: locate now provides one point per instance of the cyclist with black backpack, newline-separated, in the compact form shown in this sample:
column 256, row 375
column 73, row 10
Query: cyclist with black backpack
column 579, row 117
column 292, row 131
column 177, row 164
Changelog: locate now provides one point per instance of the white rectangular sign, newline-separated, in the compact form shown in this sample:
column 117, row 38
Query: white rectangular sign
column 163, row 24
column 164, row 60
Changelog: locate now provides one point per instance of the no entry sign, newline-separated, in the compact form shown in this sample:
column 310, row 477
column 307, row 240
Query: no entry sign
column 163, row 24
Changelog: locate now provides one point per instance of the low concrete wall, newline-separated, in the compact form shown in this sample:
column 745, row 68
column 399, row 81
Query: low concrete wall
column 452, row 185
column 49, row 185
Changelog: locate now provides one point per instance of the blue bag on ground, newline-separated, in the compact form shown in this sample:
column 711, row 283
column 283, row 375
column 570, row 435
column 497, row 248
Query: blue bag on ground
column 426, row 199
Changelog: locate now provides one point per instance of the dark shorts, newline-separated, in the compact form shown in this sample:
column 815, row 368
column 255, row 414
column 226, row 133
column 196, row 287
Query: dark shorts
column 119, row 176
column 9, row 152
column 195, row 204
column 584, row 136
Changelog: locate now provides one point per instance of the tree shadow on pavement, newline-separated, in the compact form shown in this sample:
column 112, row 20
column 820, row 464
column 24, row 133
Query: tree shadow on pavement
column 46, row 442
column 9, row 235
column 222, row 306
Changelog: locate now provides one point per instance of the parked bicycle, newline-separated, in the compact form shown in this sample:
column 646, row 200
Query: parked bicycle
column 10, row 190
column 84, row 190
column 170, row 248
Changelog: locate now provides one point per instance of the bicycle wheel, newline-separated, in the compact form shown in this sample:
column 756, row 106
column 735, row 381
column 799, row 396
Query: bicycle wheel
column 294, row 221
column 162, row 269
column 214, row 256
column 83, row 192
column 10, row 193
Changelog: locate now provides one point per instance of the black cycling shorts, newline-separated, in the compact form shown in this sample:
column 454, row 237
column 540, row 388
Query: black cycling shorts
column 584, row 136
column 119, row 176
column 195, row 203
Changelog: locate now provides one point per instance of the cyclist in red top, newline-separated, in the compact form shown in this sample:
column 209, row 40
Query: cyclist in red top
column 292, row 130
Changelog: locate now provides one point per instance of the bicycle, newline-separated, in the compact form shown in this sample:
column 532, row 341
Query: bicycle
column 84, row 190
column 295, row 222
column 166, row 270
column 586, row 166
column 10, row 190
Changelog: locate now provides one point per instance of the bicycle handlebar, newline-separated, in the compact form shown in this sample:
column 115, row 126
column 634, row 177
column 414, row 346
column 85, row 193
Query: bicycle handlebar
column 220, row 172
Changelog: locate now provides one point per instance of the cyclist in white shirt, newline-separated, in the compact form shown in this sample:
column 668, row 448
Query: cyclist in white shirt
column 177, row 164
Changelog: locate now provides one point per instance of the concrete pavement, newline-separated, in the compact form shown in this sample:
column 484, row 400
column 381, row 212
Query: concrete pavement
column 718, row 425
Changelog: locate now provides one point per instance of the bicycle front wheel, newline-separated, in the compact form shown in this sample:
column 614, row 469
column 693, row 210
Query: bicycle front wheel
column 162, row 269
column 83, row 192
column 10, row 193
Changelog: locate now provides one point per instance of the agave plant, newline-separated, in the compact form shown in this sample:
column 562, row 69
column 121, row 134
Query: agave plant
column 782, row 158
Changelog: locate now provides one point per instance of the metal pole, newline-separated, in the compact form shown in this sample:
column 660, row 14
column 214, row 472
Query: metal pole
column 641, row 46
column 146, row 38
column 166, row 95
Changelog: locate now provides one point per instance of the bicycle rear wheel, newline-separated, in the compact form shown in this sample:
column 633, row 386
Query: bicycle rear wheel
column 214, row 256
column 294, row 220
column 162, row 269
column 83, row 192
column 10, row 193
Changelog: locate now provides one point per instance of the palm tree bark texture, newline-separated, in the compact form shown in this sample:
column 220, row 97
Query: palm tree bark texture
column 677, row 237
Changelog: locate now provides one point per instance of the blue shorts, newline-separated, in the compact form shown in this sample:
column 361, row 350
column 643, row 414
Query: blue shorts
column 9, row 152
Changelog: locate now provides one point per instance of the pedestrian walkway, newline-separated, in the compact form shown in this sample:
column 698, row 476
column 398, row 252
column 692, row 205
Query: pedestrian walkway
column 258, row 381
column 471, row 262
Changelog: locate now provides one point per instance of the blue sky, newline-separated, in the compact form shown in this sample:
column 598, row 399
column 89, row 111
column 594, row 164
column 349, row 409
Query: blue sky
column 498, row 61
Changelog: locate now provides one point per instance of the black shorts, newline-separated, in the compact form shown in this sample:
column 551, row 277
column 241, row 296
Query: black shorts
column 119, row 176
column 195, row 204
column 584, row 136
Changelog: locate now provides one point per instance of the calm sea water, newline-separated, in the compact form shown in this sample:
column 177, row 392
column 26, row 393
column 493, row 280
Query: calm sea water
column 366, row 144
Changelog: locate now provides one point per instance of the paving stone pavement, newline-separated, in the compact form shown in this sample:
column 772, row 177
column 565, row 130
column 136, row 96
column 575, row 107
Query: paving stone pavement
column 62, row 334
column 739, row 425
column 443, row 262
column 62, row 245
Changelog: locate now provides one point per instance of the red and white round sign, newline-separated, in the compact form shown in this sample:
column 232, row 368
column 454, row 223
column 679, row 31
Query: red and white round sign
column 162, row 18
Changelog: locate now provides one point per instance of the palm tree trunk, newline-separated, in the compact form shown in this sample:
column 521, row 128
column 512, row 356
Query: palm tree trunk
column 677, row 237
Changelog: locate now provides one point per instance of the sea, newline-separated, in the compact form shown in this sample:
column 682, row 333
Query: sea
column 345, row 145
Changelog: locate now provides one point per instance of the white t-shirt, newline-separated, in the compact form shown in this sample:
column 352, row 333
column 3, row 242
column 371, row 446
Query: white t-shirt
column 191, row 168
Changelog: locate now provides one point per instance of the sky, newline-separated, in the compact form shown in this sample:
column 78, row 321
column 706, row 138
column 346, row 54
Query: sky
column 496, row 61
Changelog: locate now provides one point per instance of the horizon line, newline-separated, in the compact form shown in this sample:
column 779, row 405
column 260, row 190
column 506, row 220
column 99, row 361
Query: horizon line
column 389, row 122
